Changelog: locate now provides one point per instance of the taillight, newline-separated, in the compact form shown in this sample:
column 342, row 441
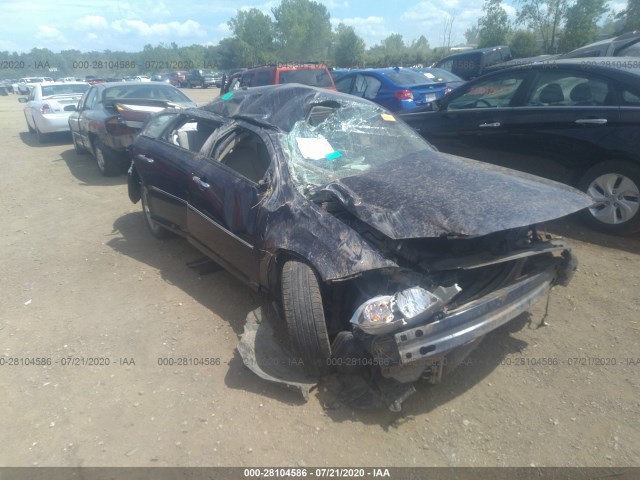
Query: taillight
column 45, row 108
column 403, row 94
column 116, row 126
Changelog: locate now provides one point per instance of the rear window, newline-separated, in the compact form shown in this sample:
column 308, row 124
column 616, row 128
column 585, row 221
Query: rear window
column 407, row 78
column 315, row 77
column 68, row 89
column 154, row 92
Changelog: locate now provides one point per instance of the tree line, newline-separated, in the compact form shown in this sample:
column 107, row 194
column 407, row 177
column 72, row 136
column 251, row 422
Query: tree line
column 300, row 31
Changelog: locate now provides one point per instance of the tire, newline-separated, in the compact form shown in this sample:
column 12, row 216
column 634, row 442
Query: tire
column 154, row 227
column 42, row 137
column 615, row 187
column 31, row 129
column 106, row 159
column 78, row 149
column 304, row 314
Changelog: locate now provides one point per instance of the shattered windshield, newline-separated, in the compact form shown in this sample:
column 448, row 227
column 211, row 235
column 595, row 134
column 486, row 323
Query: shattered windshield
column 341, row 140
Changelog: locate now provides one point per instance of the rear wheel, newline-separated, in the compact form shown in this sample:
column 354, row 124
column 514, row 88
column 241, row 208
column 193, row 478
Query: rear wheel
column 106, row 159
column 42, row 137
column 76, row 146
column 154, row 227
column 614, row 186
column 304, row 314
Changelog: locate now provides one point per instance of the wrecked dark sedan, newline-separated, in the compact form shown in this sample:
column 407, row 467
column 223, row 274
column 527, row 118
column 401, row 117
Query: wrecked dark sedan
column 366, row 237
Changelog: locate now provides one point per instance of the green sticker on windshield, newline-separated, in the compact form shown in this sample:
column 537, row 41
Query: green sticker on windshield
column 227, row 96
column 333, row 155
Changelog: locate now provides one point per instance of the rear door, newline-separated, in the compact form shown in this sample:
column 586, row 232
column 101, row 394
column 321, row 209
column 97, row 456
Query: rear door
column 165, row 155
column 564, row 123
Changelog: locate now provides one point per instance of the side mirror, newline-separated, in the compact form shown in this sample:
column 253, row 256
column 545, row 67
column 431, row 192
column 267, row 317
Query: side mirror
column 22, row 99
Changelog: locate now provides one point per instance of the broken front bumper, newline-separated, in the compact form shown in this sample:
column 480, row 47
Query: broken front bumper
column 406, row 354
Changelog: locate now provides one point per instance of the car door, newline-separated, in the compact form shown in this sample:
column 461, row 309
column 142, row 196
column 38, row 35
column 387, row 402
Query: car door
column 224, row 217
column 474, row 121
column 563, row 123
column 165, row 155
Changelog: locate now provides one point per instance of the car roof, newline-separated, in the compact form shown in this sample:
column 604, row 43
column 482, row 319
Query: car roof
column 281, row 105
column 611, row 64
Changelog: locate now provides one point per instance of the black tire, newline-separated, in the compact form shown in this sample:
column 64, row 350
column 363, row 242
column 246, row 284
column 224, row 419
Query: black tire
column 157, row 230
column 615, row 185
column 107, row 160
column 79, row 150
column 42, row 137
column 304, row 314
column 31, row 129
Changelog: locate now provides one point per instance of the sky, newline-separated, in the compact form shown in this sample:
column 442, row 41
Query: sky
column 97, row 25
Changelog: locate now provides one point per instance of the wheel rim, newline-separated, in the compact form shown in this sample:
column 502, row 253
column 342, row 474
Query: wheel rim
column 147, row 211
column 100, row 159
column 617, row 198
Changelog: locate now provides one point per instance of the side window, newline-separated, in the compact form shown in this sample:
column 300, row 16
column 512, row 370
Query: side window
column 190, row 133
column 245, row 153
column 630, row 98
column 246, row 80
column 568, row 89
column 630, row 51
column 344, row 84
column 156, row 125
column 372, row 87
column 262, row 78
column 91, row 99
column 492, row 93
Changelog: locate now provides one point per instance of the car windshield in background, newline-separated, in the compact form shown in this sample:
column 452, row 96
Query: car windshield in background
column 316, row 77
column 441, row 75
column 335, row 143
column 153, row 92
column 407, row 77
column 69, row 89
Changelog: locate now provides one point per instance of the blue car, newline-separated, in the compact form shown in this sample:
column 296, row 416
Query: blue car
column 394, row 88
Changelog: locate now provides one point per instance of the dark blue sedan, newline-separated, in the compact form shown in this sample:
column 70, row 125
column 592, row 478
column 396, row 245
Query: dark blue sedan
column 393, row 88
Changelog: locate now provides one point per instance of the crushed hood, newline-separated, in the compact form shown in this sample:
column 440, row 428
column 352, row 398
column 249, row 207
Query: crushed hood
column 431, row 194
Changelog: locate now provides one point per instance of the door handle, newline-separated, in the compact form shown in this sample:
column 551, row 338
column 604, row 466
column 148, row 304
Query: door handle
column 489, row 125
column 200, row 182
column 591, row 121
column 145, row 159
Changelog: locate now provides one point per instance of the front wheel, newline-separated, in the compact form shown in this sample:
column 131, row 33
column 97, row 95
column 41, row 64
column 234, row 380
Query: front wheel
column 614, row 186
column 76, row 146
column 304, row 314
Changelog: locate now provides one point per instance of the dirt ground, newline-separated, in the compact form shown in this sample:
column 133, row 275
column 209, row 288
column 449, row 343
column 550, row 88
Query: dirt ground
column 81, row 277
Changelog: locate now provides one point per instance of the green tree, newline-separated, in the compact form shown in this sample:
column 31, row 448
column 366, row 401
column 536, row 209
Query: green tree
column 349, row 47
column 472, row 34
column 419, row 51
column 544, row 17
column 630, row 16
column 581, row 24
column 256, row 31
column 523, row 44
column 303, row 30
column 494, row 27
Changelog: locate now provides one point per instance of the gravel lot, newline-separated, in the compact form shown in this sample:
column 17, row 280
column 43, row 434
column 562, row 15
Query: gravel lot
column 81, row 277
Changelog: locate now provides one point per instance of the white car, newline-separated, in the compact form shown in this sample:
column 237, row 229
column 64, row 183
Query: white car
column 49, row 105
column 25, row 83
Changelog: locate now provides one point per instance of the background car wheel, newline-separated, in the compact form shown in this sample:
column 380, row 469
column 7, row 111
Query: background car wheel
column 106, row 159
column 304, row 314
column 42, row 137
column 615, row 187
column 76, row 146
column 154, row 227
